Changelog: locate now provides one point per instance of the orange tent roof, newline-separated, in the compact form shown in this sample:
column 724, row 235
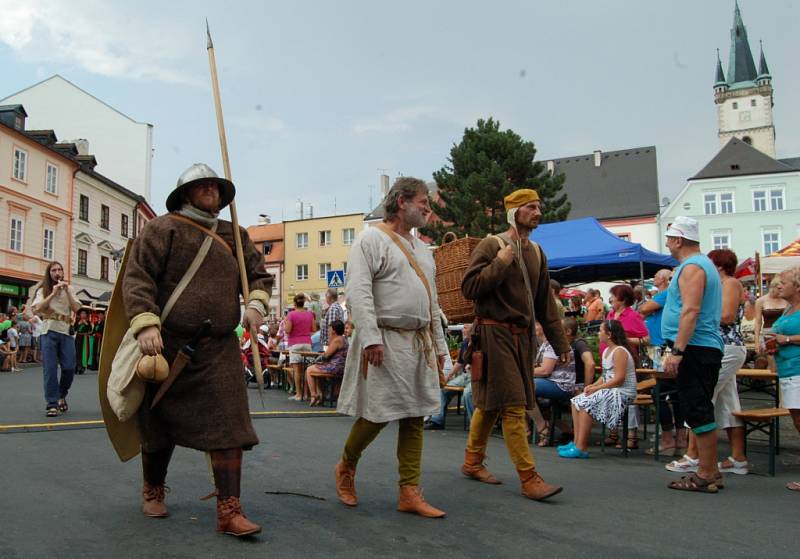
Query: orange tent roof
column 792, row 249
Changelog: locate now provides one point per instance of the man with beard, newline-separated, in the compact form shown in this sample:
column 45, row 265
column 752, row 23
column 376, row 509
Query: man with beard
column 206, row 406
column 508, row 279
column 397, row 347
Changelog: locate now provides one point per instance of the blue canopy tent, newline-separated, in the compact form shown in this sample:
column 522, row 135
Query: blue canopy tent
column 582, row 251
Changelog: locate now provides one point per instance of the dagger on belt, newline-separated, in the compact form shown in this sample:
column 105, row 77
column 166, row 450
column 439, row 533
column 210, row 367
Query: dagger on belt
column 183, row 358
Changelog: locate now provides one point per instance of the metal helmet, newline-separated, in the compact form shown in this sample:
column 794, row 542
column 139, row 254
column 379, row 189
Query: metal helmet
column 197, row 173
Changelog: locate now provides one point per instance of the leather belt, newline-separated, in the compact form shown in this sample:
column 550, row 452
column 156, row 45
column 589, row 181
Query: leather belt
column 516, row 330
column 60, row 317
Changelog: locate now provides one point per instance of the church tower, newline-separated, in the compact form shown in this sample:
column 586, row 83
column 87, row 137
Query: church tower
column 744, row 100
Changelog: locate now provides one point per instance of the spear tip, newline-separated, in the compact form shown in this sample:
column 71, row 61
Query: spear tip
column 209, row 44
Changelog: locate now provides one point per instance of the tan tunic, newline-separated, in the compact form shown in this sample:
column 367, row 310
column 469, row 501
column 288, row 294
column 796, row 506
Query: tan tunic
column 388, row 303
column 207, row 406
column 498, row 290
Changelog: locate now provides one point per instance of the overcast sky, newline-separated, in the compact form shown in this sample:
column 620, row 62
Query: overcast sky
column 320, row 95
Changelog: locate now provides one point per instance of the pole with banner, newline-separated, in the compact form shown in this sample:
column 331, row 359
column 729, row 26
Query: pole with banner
column 223, row 143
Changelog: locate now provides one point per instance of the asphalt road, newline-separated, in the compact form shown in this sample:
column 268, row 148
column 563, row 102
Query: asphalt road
column 65, row 494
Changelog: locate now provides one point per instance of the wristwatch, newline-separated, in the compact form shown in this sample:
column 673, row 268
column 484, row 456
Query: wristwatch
column 677, row 352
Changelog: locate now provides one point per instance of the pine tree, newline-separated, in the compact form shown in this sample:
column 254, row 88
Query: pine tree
column 485, row 167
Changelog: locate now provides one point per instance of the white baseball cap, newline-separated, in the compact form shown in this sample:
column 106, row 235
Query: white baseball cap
column 685, row 227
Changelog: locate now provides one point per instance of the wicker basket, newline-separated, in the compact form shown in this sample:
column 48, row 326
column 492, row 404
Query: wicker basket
column 452, row 260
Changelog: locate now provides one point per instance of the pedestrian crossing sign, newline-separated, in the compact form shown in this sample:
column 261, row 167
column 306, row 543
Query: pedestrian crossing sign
column 336, row 279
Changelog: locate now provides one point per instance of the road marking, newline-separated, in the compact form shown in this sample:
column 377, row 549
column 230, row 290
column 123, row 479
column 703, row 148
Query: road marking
column 99, row 422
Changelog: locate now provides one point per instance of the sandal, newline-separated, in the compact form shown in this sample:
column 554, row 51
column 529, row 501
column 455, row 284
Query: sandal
column 793, row 486
column 665, row 450
column 543, row 436
column 694, row 482
column 687, row 464
column 52, row 412
column 734, row 467
column 62, row 406
column 633, row 443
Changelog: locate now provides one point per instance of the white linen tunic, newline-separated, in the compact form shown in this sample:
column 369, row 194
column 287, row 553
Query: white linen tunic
column 384, row 291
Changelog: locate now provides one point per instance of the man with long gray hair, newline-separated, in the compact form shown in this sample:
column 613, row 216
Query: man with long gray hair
column 397, row 347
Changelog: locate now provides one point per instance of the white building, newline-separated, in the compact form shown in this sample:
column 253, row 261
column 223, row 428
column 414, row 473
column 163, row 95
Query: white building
column 106, row 216
column 745, row 199
column 123, row 146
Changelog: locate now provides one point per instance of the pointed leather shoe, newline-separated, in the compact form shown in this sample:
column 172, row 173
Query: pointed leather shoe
column 153, row 500
column 473, row 468
column 231, row 520
column 411, row 501
column 534, row 487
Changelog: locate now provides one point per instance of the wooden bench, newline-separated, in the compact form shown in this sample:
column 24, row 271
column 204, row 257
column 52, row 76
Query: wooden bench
column 764, row 420
column 759, row 375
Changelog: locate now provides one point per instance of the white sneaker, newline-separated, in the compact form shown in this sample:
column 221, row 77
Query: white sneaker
column 687, row 464
column 741, row 468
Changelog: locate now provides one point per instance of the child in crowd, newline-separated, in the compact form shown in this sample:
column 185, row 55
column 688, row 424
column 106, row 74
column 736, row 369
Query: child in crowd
column 604, row 400
column 13, row 345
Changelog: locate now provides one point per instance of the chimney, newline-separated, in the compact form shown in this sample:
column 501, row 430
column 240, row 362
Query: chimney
column 551, row 166
column 82, row 145
column 384, row 184
column 598, row 157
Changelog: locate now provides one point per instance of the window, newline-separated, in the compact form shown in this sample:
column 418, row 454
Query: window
column 83, row 212
column 721, row 239
column 348, row 236
column 267, row 248
column 752, row 102
column 770, row 241
column 302, row 240
column 726, row 202
column 104, row 268
column 51, row 185
column 710, row 204
column 48, row 244
column 123, row 227
column 323, row 271
column 104, row 215
column 735, row 105
column 15, row 240
column 749, row 141
column 82, row 257
column 759, row 200
column 344, row 268
column 744, row 116
column 776, row 199
column 301, row 272
column 624, row 236
column 20, row 164
column 324, row 238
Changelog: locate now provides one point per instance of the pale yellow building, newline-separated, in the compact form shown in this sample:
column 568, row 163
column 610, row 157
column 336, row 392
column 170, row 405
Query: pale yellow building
column 313, row 247
column 36, row 192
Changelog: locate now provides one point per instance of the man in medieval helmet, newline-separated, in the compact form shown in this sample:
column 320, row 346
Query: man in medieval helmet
column 206, row 406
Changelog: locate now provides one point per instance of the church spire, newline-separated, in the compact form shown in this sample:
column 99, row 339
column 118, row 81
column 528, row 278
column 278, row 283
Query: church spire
column 719, row 81
column 741, row 67
column 763, row 69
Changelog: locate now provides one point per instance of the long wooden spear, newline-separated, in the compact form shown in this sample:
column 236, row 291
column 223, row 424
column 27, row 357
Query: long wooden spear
column 223, row 144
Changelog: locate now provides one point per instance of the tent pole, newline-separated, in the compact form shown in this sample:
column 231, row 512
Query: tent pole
column 641, row 270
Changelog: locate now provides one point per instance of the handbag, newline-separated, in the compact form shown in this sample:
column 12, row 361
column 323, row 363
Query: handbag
column 126, row 389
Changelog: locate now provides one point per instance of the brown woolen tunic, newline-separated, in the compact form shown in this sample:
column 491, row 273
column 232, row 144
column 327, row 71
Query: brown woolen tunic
column 498, row 290
column 206, row 408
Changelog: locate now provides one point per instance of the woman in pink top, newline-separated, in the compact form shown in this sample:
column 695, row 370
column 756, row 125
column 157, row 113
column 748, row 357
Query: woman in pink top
column 621, row 299
column 299, row 325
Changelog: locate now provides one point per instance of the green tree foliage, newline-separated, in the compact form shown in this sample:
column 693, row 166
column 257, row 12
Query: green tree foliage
column 485, row 167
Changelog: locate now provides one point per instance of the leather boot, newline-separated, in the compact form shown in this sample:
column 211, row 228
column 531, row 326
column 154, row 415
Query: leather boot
column 534, row 487
column 346, row 483
column 231, row 520
column 473, row 468
column 153, row 504
column 411, row 501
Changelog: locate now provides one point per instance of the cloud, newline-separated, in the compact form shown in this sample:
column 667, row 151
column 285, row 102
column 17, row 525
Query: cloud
column 258, row 123
column 94, row 37
column 397, row 120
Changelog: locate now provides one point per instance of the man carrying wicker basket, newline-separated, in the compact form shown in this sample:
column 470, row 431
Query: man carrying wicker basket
column 508, row 279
